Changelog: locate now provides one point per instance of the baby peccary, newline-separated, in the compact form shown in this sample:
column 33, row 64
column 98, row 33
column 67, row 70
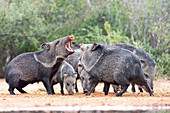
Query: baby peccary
column 37, row 66
column 73, row 60
column 66, row 76
column 111, row 66
column 148, row 64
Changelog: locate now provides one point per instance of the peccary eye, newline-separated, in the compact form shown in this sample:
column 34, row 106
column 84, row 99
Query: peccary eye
column 73, row 84
column 67, row 84
column 146, row 76
column 89, row 79
column 82, row 78
column 80, row 65
column 57, row 43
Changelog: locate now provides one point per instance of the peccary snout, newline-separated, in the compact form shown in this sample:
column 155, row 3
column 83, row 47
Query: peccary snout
column 85, row 90
column 70, row 93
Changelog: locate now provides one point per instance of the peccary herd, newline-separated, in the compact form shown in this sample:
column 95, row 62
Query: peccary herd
column 62, row 61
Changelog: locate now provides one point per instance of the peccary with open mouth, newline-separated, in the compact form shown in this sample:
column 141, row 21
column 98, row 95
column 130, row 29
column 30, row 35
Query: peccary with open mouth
column 38, row 66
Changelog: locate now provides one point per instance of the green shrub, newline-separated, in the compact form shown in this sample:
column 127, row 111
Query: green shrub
column 26, row 24
column 163, row 66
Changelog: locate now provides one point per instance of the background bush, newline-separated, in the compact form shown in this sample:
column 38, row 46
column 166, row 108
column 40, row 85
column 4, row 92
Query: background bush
column 26, row 24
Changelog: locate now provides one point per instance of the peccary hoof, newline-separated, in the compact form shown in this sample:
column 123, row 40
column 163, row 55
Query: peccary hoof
column 140, row 89
column 151, row 94
column 50, row 93
column 62, row 93
column 12, row 93
column 133, row 90
column 87, row 94
column 77, row 91
column 93, row 91
column 117, row 95
column 53, row 92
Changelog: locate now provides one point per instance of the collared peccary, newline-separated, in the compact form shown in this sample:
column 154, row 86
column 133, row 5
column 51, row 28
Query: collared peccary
column 66, row 76
column 83, row 48
column 38, row 66
column 148, row 64
column 111, row 66
column 73, row 60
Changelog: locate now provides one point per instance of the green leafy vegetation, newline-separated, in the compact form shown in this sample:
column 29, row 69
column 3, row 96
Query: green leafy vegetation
column 26, row 24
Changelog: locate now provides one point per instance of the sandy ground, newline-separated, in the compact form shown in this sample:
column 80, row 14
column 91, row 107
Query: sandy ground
column 37, row 96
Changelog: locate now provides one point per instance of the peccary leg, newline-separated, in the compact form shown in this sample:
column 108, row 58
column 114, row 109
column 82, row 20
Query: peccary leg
column 21, row 85
column 13, row 83
column 52, row 89
column 140, row 89
column 62, row 90
column 76, row 87
column 93, row 91
column 11, row 90
column 93, row 85
column 107, row 88
column 115, row 90
column 104, row 87
column 21, row 90
column 133, row 87
column 121, row 87
column 124, row 88
column 52, row 84
column 152, row 85
column 47, row 85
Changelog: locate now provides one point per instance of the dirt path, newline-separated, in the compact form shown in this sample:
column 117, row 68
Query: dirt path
column 37, row 96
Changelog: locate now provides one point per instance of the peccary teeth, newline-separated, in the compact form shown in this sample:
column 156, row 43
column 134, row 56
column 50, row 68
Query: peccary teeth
column 68, row 47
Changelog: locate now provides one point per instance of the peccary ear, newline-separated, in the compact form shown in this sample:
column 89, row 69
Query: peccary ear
column 45, row 46
column 95, row 46
column 154, row 64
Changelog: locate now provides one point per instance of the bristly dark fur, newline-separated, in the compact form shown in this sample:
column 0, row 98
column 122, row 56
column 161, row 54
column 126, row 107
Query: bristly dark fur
column 36, row 66
column 148, row 64
column 111, row 66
